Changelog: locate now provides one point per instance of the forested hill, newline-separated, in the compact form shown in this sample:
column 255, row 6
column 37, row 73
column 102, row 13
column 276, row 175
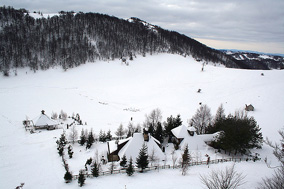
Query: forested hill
column 70, row 39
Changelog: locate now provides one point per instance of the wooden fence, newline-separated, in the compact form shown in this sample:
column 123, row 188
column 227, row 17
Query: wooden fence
column 158, row 167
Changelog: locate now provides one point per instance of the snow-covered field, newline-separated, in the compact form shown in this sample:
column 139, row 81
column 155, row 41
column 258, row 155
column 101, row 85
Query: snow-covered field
column 104, row 93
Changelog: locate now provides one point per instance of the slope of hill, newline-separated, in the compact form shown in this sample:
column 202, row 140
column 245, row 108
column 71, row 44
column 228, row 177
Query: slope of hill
column 71, row 39
column 105, row 94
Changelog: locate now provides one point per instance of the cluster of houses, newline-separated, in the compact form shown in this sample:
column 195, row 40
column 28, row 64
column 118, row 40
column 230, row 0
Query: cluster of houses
column 130, row 147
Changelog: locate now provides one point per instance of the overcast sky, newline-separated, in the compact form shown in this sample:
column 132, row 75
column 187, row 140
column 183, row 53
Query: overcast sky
column 222, row 24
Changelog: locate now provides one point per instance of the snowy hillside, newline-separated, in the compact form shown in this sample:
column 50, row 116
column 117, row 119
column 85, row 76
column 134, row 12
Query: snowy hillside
column 106, row 94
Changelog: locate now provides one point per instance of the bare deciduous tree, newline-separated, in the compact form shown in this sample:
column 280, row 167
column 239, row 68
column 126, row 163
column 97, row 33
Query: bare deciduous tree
column 174, row 158
column 120, row 131
column 277, row 180
column 201, row 119
column 63, row 115
column 54, row 115
column 73, row 136
column 185, row 161
column 228, row 179
column 152, row 157
column 153, row 118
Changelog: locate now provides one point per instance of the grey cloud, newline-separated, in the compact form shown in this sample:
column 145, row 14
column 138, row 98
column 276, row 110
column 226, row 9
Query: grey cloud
column 235, row 20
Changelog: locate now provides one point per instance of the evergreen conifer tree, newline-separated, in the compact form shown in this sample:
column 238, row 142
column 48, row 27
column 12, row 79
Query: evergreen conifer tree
column 185, row 160
column 70, row 151
column 102, row 136
column 123, row 161
column 81, row 178
column 130, row 168
column 90, row 140
column 82, row 138
column 61, row 144
column 238, row 133
column 142, row 160
column 108, row 135
column 158, row 134
column 68, row 177
column 95, row 170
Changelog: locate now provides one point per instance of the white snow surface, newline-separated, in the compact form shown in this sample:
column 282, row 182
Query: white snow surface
column 104, row 93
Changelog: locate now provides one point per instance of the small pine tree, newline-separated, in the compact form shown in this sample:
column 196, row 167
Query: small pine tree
column 130, row 168
column 108, row 135
column 91, row 140
column 185, row 160
column 62, row 140
column 61, row 144
column 95, row 169
column 102, row 136
column 68, row 177
column 82, row 138
column 220, row 114
column 123, row 161
column 142, row 160
column 70, row 151
column 88, row 162
column 81, row 178
column 158, row 134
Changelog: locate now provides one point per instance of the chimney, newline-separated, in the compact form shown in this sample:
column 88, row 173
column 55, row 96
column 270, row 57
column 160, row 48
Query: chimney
column 42, row 111
column 146, row 135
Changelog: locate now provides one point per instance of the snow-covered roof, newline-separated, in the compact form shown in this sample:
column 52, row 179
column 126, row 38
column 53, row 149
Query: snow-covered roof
column 133, row 146
column 44, row 120
column 180, row 132
column 192, row 129
column 195, row 142
column 113, row 145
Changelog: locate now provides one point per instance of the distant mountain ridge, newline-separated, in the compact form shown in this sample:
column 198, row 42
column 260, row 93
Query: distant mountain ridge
column 261, row 60
column 70, row 39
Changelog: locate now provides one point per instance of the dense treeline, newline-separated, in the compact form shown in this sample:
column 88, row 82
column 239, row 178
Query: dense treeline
column 70, row 39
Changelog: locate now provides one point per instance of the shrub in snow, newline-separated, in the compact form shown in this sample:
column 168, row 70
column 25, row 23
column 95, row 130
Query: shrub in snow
column 228, row 179
column 21, row 186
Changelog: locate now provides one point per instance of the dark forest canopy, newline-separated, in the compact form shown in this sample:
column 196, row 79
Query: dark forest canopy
column 70, row 39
